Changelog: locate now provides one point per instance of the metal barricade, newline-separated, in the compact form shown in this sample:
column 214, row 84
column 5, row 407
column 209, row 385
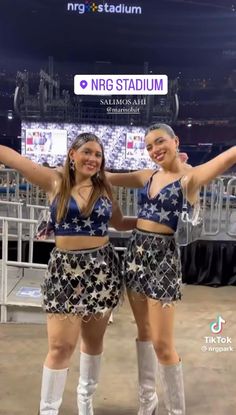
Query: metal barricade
column 13, row 186
column 217, row 203
column 18, row 234
column 231, row 207
column 212, row 204
column 6, row 263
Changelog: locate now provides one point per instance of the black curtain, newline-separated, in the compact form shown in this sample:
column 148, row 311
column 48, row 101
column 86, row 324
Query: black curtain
column 210, row 263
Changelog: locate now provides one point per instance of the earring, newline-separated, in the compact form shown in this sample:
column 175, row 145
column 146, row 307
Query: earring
column 97, row 175
column 72, row 165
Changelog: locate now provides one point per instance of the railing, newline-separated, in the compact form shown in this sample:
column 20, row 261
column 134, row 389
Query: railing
column 18, row 206
column 212, row 203
column 230, row 206
column 18, row 264
column 13, row 187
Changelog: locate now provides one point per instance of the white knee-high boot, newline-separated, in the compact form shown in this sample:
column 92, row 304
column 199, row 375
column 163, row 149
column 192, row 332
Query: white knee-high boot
column 173, row 388
column 88, row 380
column 53, row 385
column 147, row 372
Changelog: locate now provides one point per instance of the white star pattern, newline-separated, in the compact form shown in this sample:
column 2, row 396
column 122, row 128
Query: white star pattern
column 67, row 305
column 73, row 276
column 132, row 266
column 176, row 212
column 101, row 276
column 75, row 220
column 97, row 309
column 100, row 211
column 74, row 271
column 74, row 296
column 162, row 197
column 164, row 215
column 66, row 225
column 153, row 208
column 94, row 294
column 57, row 286
column 87, row 266
column 103, row 296
column 96, row 291
column 140, row 249
column 87, row 222
column 106, row 203
column 53, row 303
column 103, row 227
column 174, row 190
column 174, row 202
column 64, row 277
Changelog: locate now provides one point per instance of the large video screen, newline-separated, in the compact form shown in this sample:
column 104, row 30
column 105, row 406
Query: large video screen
column 44, row 144
column 135, row 145
column 48, row 142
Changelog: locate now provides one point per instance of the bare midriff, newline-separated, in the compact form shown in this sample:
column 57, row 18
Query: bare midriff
column 76, row 243
column 150, row 226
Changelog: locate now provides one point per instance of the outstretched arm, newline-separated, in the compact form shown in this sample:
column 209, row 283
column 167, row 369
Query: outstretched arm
column 203, row 174
column 130, row 180
column 33, row 172
column 120, row 222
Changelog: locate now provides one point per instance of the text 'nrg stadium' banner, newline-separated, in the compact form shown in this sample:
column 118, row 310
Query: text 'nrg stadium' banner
column 96, row 7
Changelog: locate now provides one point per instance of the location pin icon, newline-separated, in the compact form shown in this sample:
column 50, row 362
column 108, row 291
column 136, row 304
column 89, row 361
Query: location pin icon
column 83, row 83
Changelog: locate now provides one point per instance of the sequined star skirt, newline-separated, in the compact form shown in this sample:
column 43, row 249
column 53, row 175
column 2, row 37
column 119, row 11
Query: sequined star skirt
column 82, row 283
column 152, row 266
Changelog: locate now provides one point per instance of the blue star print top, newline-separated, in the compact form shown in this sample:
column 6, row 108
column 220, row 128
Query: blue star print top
column 75, row 224
column 165, row 207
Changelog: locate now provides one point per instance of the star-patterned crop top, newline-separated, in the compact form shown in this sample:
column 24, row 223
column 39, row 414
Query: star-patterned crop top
column 165, row 207
column 75, row 224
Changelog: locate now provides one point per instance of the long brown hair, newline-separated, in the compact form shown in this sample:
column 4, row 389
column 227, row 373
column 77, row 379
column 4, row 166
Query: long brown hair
column 100, row 184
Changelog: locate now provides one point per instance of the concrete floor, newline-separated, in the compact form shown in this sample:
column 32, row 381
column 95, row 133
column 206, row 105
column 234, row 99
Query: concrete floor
column 209, row 376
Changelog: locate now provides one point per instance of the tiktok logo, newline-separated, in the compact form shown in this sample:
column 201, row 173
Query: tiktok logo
column 217, row 326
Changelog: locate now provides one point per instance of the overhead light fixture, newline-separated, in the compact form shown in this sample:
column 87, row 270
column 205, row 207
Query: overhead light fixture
column 9, row 114
column 189, row 122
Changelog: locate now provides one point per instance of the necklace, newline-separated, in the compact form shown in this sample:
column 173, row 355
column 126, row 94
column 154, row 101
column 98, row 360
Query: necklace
column 82, row 187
